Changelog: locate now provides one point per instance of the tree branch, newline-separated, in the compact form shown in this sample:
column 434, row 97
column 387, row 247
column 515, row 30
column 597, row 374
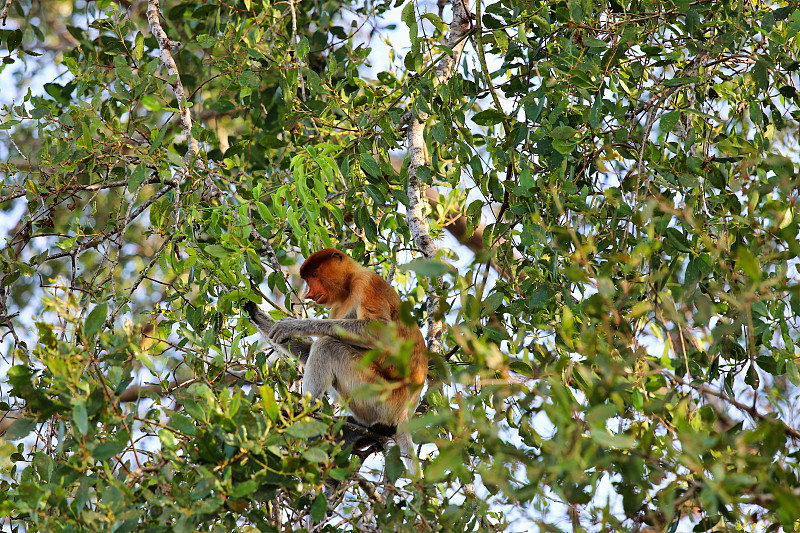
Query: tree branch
column 165, row 45
column 416, row 152
column 4, row 13
column 705, row 389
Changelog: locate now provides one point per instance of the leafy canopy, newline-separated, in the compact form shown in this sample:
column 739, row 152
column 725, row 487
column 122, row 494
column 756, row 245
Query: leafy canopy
column 620, row 349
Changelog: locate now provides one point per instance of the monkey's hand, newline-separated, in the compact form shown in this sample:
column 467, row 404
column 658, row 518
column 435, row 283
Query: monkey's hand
column 284, row 329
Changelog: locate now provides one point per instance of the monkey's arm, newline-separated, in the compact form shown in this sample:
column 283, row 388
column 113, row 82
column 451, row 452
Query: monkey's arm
column 352, row 331
column 299, row 349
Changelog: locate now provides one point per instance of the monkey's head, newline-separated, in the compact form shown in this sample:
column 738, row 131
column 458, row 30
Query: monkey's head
column 327, row 274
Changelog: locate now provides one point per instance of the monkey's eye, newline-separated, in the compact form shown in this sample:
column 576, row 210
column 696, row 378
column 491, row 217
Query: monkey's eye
column 313, row 274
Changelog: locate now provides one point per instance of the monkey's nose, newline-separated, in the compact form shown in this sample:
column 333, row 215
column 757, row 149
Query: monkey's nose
column 309, row 294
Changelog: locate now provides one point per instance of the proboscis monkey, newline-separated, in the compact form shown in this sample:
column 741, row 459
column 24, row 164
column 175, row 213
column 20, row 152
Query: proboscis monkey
column 360, row 301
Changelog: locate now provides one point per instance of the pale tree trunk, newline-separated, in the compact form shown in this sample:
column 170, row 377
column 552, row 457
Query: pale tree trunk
column 415, row 216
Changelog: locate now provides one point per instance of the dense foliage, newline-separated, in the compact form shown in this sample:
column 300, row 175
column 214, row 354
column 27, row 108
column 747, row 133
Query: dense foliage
column 620, row 349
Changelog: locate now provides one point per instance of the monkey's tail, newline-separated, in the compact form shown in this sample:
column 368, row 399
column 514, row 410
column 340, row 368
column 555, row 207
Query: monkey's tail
column 257, row 317
column 403, row 440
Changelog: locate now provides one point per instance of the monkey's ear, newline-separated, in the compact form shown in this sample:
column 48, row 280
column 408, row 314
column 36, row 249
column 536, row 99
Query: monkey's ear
column 336, row 255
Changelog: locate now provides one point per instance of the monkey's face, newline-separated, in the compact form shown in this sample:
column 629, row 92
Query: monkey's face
column 327, row 274
column 316, row 290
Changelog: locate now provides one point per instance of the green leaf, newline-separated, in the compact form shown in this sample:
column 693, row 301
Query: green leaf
column 145, row 359
column 138, row 175
column 432, row 268
column 265, row 212
column 168, row 440
column 25, row 269
column 80, row 417
column 751, row 377
column 735, row 145
column 494, row 300
column 565, row 146
column 692, row 21
column 563, row 132
column 410, row 19
column 761, row 74
column 393, row 464
column 413, row 61
column 680, row 82
column 20, row 428
column 533, row 108
column 678, row 240
column 57, row 92
column 488, row 117
column 793, row 373
column 13, row 38
column 746, row 261
column 182, row 424
column 151, row 103
column 612, row 440
column 596, row 114
column 449, row 459
column 245, row 488
column 138, row 48
column 306, row 429
column 369, row 165
column 108, row 450
column 424, row 173
column 501, row 39
column 82, row 493
column 768, row 22
column 95, row 320
column 248, row 79
column 540, row 296
column 215, row 250
column 400, row 196
column 669, row 120
column 787, row 91
column 319, row 508
column 375, row 193
column 302, row 48
column 268, row 402
column 521, row 367
column 576, row 11
column 315, row 455
column 595, row 43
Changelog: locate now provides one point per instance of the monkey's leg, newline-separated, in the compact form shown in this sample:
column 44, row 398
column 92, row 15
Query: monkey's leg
column 331, row 362
column 300, row 349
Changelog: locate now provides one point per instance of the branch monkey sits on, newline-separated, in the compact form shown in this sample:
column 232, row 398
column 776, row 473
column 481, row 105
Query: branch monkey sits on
column 358, row 298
